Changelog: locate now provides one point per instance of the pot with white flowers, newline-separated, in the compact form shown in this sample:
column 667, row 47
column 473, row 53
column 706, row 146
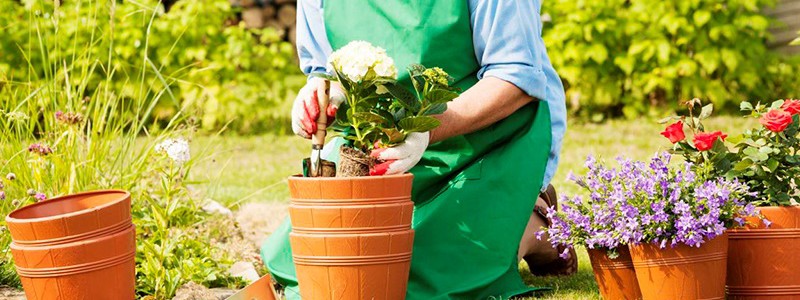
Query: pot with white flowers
column 762, row 263
column 351, row 234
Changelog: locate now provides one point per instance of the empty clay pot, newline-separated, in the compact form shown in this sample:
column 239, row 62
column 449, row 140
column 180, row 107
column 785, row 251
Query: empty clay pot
column 763, row 262
column 351, row 237
column 682, row 272
column 79, row 246
column 616, row 278
column 70, row 218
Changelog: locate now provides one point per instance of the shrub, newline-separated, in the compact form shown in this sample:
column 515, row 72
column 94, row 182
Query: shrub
column 624, row 57
column 206, row 65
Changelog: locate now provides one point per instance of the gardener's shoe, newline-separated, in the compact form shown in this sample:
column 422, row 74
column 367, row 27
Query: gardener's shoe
column 558, row 266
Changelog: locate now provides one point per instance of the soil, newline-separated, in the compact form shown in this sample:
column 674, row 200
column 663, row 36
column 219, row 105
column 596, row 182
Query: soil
column 328, row 167
column 353, row 163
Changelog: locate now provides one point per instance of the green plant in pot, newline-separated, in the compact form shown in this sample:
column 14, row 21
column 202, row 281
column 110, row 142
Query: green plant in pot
column 767, row 159
column 378, row 111
column 356, row 216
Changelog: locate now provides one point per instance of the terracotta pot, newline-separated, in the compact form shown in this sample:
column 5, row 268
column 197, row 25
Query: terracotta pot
column 79, row 246
column 70, row 218
column 763, row 262
column 682, row 272
column 351, row 237
column 616, row 278
column 260, row 289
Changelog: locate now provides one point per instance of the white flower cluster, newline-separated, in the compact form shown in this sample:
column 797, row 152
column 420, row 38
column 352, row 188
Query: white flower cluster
column 176, row 149
column 356, row 58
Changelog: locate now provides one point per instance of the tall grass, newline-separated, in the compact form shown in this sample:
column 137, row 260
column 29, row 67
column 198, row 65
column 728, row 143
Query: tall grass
column 82, row 121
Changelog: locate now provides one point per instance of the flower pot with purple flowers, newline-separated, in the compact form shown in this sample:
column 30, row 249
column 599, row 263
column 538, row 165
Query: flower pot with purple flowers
column 673, row 219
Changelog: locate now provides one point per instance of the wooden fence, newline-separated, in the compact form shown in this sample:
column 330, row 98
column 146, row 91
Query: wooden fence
column 788, row 15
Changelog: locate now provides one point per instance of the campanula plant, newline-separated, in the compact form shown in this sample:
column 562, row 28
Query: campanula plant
column 648, row 202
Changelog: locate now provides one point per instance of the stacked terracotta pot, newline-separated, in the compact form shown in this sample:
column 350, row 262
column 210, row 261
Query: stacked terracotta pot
column 351, row 237
column 79, row 246
column 763, row 262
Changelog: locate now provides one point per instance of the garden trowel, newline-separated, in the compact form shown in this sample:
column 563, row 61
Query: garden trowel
column 317, row 166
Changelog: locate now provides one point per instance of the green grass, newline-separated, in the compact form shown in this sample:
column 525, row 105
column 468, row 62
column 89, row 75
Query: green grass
column 255, row 168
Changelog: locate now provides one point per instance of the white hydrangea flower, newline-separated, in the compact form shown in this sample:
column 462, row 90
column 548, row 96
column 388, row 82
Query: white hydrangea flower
column 356, row 59
column 177, row 149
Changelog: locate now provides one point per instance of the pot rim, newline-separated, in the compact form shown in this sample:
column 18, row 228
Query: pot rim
column 11, row 219
column 795, row 207
column 299, row 177
column 409, row 231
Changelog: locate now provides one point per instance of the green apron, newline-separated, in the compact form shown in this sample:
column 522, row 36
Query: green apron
column 473, row 194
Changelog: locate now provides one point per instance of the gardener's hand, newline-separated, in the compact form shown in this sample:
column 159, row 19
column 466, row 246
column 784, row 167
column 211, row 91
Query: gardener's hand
column 401, row 158
column 305, row 110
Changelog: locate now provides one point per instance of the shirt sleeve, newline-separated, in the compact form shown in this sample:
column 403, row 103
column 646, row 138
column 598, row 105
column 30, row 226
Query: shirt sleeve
column 507, row 40
column 313, row 47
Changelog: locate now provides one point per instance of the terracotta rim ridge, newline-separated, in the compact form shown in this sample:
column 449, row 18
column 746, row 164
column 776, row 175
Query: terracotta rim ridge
column 778, row 233
column 75, row 269
column 312, row 260
column 352, row 230
column 779, row 290
column 110, row 230
column 652, row 262
column 352, row 201
column 10, row 218
column 300, row 177
column 615, row 265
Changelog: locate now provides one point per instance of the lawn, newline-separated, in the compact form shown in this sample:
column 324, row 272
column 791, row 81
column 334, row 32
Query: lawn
column 254, row 168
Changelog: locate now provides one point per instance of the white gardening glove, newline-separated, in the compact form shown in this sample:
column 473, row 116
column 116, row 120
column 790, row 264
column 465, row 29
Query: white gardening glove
column 401, row 158
column 305, row 110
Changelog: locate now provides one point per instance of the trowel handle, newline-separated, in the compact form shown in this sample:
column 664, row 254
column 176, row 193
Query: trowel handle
column 323, row 98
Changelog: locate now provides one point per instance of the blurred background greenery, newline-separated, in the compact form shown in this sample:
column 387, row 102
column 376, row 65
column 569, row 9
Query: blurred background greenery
column 617, row 58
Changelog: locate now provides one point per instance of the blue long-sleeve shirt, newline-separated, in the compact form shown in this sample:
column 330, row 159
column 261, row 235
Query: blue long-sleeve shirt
column 507, row 39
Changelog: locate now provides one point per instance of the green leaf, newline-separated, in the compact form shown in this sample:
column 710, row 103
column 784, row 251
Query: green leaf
column 742, row 165
column 701, row 17
column 368, row 117
column 346, row 83
column 419, row 124
column 440, row 96
column 772, row 165
column 395, row 136
column 706, row 111
column 719, row 147
column 745, row 106
column 436, row 109
column 406, row 98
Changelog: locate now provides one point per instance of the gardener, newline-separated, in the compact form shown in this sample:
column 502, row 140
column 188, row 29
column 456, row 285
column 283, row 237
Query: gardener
column 477, row 176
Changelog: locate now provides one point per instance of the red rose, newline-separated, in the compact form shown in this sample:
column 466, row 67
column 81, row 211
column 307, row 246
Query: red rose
column 776, row 120
column 674, row 132
column 791, row 106
column 705, row 140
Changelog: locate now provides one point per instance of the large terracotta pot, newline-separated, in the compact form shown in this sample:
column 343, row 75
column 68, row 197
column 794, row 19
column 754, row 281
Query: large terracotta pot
column 78, row 246
column 351, row 237
column 616, row 278
column 763, row 263
column 681, row 272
